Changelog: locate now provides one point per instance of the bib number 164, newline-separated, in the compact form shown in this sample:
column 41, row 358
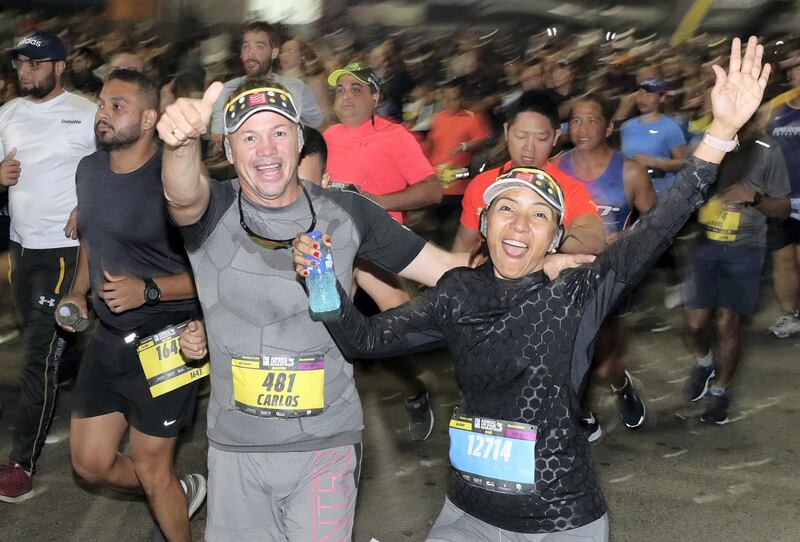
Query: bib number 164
column 489, row 447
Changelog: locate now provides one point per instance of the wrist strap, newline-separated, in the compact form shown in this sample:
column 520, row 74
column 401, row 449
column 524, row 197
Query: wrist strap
column 721, row 144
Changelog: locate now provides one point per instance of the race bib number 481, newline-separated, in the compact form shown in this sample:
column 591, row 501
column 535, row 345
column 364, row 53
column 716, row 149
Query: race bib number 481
column 282, row 386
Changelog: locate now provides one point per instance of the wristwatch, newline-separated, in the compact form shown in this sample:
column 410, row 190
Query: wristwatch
column 152, row 293
column 758, row 198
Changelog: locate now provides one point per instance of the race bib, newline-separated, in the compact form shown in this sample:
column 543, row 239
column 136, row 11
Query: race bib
column 721, row 221
column 164, row 366
column 282, row 386
column 494, row 454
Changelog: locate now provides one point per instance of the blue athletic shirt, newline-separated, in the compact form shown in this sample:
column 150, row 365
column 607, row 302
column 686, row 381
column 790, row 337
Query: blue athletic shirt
column 784, row 126
column 656, row 138
column 607, row 191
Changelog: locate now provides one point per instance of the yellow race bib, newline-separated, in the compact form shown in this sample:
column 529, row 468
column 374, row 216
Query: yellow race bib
column 282, row 386
column 721, row 221
column 164, row 366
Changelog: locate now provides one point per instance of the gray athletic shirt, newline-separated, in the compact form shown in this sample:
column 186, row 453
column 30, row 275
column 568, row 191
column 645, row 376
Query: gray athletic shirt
column 254, row 304
column 124, row 224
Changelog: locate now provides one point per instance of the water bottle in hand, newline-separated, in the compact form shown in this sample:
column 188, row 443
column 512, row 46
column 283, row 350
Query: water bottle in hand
column 70, row 315
column 323, row 297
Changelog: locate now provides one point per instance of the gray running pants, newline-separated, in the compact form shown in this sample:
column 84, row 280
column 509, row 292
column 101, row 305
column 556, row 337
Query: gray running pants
column 455, row 525
column 282, row 497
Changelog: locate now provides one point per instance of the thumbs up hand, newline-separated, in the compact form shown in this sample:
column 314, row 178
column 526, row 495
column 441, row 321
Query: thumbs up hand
column 187, row 119
column 10, row 169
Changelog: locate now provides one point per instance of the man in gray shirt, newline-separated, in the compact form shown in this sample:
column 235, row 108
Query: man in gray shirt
column 725, row 271
column 284, row 417
column 260, row 48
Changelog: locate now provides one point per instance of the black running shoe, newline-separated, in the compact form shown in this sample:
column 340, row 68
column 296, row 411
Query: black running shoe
column 591, row 425
column 717, row 402
column 699, row 380
column 630, row 405
column 420, row 416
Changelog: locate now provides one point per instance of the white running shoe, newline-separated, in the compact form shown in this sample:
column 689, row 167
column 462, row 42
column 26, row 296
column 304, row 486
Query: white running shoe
column 785, row 325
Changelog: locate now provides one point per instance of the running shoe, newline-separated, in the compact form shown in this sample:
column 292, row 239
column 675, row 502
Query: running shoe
column 699, row 380
column 630, row 405
column 420, row 416
column 194, row 485
column 591, row 425
column 16, row 485
column 673, row 296
column 785, row 325
column 717, row 402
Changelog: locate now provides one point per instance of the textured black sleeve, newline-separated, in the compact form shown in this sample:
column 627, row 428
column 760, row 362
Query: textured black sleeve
column 410, row 328
column 384, row 241
column 220, row 200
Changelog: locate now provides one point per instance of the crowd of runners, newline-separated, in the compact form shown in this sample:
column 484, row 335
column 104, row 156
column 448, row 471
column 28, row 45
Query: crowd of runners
column 500, row 196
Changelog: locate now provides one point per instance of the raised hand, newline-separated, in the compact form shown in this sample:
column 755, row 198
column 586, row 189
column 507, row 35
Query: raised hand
column 737, row 94
column 187, row 119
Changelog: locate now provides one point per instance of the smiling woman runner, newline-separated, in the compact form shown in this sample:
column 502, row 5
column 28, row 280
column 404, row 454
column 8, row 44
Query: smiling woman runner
column 521, row 343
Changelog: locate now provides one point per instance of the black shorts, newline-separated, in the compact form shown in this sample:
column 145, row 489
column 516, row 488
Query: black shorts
column 724, row 276
column 782, row 233
column 111, row 379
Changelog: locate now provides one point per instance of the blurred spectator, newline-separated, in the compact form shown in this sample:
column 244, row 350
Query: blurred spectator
column 84, row 62
column 260, row 48
column 396, row 83
column 299, row 60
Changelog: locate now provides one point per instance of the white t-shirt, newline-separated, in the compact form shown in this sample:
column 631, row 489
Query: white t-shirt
column 50, row 138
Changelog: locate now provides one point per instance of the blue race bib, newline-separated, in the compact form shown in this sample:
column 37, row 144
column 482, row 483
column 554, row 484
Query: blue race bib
column 494, row 454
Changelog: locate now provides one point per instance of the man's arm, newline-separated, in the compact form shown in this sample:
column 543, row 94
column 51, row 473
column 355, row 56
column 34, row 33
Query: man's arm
column 674, row 164
column 416, row 196
column 80, row 287
column 124, row 292
column 638, row 186
column 186, row 186
column 585, row 235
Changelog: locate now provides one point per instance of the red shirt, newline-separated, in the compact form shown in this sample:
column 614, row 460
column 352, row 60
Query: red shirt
column 448, row 131
column 380, row 159
column 576, row 198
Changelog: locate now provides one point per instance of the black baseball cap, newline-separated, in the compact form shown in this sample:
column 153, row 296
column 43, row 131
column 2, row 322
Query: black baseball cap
column 653, row 85
column 360, row 71
column 40, row 45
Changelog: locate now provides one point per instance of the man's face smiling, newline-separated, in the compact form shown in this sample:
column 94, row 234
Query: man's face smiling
column 265, row 151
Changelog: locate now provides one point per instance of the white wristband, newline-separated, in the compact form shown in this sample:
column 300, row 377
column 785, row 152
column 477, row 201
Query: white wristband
column 462, row 147
column 721, row 144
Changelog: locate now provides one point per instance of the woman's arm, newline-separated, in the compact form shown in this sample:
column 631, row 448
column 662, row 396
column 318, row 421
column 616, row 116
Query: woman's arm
column 410, row 328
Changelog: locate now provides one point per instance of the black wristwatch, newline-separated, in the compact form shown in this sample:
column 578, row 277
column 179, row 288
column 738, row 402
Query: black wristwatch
column 152, row 293
column 758, row 198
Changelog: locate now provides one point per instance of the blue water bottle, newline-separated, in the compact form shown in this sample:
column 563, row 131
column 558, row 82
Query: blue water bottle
column 323, row 297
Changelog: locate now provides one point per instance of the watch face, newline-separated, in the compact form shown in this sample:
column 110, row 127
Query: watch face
column 152, row 294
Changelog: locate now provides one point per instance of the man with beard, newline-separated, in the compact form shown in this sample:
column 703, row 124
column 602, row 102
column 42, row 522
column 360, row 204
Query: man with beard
column 43, row 136
column 260, row 48
column 135, row 266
